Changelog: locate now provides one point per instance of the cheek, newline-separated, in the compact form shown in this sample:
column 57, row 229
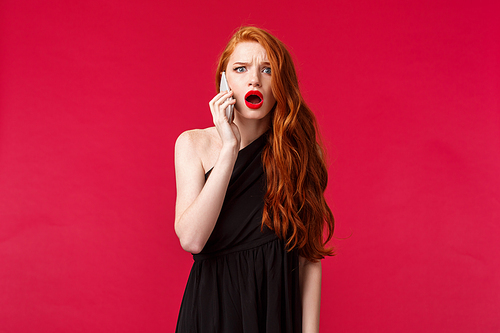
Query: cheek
column 270, row 97
column 238, row 95
column 233, row 84
column 240, row 100
column 238, row 92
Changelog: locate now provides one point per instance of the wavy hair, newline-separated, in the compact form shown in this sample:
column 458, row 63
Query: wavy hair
column 294, row 204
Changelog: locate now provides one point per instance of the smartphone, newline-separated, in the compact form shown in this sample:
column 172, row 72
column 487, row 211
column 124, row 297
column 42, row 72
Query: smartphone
column 225, row 87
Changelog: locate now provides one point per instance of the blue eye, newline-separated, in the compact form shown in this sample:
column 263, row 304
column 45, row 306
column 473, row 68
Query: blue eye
column 267, row 70
column 239, row 69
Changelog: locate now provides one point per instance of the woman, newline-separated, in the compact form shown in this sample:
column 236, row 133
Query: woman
column 250, row 203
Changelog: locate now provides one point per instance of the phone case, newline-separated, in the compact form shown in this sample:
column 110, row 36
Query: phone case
column 225, row 87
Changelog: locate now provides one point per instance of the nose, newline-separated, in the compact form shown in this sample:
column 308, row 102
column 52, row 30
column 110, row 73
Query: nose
column 254, row 80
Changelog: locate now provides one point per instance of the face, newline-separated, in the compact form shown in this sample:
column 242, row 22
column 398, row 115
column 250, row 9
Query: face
column 249, row 76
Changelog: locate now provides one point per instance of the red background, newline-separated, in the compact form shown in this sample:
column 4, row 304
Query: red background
column 93, row 95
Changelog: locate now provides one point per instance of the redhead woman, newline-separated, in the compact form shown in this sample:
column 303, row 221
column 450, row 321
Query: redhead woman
column 250, row 199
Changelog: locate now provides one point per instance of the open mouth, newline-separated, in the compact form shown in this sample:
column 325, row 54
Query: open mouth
column 254, row 99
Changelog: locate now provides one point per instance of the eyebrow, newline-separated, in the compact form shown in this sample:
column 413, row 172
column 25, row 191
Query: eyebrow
column 246, row 63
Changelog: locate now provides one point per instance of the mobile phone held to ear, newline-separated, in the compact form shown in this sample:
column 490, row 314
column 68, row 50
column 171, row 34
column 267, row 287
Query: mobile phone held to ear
column 225, row 87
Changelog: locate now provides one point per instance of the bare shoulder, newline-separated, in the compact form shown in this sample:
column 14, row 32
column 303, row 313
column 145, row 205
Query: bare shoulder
column 201, row 145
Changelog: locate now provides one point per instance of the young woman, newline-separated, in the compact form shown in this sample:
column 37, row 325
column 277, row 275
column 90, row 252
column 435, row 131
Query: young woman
column 250, row 203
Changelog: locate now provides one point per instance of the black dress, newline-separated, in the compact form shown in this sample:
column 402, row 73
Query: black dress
column 243, row 280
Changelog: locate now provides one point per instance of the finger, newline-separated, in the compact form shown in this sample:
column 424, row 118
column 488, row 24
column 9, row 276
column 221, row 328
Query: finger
column 219, row 111
column 220, row 96
column 223, row 109
column 218, row 106
column 221, row 105
column 216, row 101
column 223, row 98
column 216, row 97
column 226, row 103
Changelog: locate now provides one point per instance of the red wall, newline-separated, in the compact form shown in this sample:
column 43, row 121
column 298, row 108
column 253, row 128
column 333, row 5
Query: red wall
column 93, row 95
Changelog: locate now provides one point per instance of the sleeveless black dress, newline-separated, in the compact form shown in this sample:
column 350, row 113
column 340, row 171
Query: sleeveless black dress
column 243, row 281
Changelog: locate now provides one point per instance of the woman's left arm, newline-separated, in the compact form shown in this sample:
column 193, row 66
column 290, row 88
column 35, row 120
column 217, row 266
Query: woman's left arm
column 310, row 292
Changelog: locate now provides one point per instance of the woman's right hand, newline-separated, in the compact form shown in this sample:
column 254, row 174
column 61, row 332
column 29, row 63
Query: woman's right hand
column 229, row 133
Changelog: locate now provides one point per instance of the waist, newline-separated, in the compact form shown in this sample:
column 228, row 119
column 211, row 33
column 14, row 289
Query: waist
column 238, row 248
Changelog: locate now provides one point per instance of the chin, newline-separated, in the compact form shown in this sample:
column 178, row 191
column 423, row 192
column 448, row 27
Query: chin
column 253, row 114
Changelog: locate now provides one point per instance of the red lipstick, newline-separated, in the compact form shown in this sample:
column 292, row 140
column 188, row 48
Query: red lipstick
column 254, row 99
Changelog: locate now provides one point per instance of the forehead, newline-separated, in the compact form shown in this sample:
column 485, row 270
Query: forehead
column 247, row 52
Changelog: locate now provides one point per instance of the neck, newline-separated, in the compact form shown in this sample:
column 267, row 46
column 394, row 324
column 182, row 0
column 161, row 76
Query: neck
column 251, row 129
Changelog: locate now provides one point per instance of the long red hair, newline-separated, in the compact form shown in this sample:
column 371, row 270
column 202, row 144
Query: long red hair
column 295, row 207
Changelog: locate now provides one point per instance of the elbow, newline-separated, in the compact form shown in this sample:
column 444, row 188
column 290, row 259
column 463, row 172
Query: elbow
column 189, row 242
column 191, row 246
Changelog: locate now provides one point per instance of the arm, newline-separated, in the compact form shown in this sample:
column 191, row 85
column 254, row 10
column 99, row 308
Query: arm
column 310, row 292
column 198, row 203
